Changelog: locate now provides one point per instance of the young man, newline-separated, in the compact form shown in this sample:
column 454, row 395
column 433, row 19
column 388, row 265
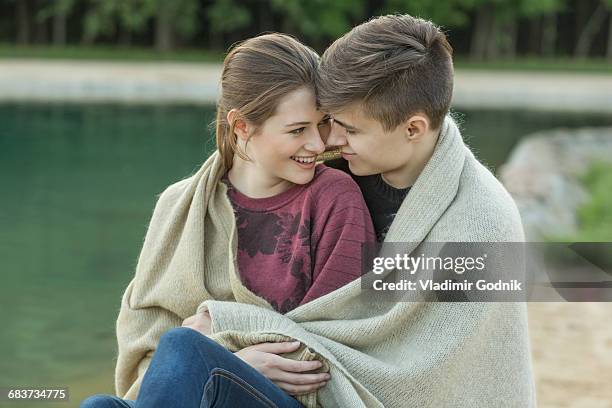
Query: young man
column 387, row 85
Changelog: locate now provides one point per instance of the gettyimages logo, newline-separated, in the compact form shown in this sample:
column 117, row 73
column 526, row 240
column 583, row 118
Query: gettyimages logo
column 489, row 272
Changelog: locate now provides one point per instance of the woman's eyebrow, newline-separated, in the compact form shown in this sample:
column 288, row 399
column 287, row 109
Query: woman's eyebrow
column 297, row 124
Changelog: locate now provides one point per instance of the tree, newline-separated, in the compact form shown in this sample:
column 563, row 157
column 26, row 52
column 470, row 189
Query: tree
column 544, row 13
column 58, row 11
column 452, row 13
column 590, row 29
column 609, row 48
column 23, row 20
column 172, row 19
column 317, row 19
column 494, row 33
column 218, row 14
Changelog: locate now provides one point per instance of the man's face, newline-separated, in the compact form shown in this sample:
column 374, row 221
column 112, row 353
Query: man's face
column 366, row 145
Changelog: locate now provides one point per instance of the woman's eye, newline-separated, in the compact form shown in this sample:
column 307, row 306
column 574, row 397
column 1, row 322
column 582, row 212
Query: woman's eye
column 297, row 131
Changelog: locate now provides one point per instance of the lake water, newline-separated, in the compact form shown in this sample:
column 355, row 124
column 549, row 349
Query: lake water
column 77, row 188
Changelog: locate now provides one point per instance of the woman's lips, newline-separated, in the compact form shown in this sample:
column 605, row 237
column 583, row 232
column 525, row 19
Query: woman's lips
column 305, row 165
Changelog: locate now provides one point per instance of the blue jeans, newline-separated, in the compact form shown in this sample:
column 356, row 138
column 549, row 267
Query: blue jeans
column 190, row 370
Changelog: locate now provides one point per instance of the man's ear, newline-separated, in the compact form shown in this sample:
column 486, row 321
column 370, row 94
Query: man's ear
column 240, row 127
column 416, row 127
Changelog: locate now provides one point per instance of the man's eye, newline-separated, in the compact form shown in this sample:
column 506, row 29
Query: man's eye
column 297, row 131
column 350, row 132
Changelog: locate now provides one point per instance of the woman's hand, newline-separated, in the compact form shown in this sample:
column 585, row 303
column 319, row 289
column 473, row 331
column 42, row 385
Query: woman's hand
column 199, row 322
column 291, row 376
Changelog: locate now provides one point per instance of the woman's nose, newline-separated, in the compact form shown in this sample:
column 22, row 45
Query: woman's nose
column 315, row 143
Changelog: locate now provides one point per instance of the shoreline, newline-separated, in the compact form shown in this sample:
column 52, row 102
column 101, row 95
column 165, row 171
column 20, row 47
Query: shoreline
column 91, row 81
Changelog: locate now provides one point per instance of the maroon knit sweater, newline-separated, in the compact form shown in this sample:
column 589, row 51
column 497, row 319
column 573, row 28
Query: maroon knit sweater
column 303, row 243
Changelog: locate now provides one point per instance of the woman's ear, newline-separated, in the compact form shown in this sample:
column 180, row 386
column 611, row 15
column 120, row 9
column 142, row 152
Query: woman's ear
column 416, row 127
column 240, row 126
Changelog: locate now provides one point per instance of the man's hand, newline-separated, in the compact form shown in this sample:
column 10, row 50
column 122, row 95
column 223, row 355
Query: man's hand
column 199, row 322
column 291, row 376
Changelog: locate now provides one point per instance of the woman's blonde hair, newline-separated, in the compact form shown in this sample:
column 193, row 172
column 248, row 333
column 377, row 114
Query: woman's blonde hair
column 257, row 73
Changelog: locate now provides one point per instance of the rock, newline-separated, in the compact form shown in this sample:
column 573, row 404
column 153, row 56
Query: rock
column 543, row 175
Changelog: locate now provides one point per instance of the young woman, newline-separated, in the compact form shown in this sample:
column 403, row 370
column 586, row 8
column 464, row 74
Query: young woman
column 299, row 229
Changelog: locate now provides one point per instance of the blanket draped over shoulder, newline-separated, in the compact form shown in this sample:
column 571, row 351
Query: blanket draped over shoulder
column 379, row 354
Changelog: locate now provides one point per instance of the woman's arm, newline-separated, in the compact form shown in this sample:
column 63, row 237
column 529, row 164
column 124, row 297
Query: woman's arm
column 138, row 332
column 148, row 307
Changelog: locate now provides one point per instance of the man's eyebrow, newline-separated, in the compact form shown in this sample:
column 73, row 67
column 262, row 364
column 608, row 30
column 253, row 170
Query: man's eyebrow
column 345, row 125
column 297, row 124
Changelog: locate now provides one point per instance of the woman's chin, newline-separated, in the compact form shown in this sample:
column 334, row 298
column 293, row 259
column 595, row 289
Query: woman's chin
column 300, row 177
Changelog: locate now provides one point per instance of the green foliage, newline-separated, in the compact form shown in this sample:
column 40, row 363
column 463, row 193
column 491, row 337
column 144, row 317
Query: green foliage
column 445, row 13
column 182, row 13
column 592, row 65
column 227, row 16
column 53, row 8
column 106, row 17
column 595, row 217
column 533, row 8
column 112, row 53
column 492, row 24
column 319, row 18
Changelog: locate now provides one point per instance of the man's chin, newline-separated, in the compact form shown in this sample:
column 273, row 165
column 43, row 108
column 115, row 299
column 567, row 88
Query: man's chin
column 361, row 170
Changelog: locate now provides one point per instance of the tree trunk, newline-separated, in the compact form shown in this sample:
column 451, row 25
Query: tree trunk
column 59, row 29
column 265, row 17
column 609, row 50
column 40, row 32
column 592, row 26
column 481, row 33
column 164, row 32
column 549, row 35
column 41, row 35
column 125, row 37
column 22, row 16
column 535, row 34
column 493, row 49
column 509, row 33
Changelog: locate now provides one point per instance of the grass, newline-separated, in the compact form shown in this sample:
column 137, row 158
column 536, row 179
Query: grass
column 147, row 54
column 591, row 65
column 110, row 53
column 595, row 217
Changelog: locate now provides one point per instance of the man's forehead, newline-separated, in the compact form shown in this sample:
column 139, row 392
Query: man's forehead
column 351, row 115
column 348, row 112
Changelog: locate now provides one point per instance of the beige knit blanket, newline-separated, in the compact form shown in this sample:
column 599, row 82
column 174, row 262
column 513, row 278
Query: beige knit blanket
column 379, row 354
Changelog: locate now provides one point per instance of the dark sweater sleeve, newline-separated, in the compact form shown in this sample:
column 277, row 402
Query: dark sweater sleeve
column 342, row 224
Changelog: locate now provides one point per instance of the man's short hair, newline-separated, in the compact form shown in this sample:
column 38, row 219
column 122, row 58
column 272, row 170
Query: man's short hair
column 394, row 65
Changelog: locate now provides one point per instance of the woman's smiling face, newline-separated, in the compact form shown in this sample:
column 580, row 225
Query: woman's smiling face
column 285, row 146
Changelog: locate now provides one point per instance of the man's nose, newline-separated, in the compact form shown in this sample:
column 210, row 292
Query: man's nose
column 337, row 136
